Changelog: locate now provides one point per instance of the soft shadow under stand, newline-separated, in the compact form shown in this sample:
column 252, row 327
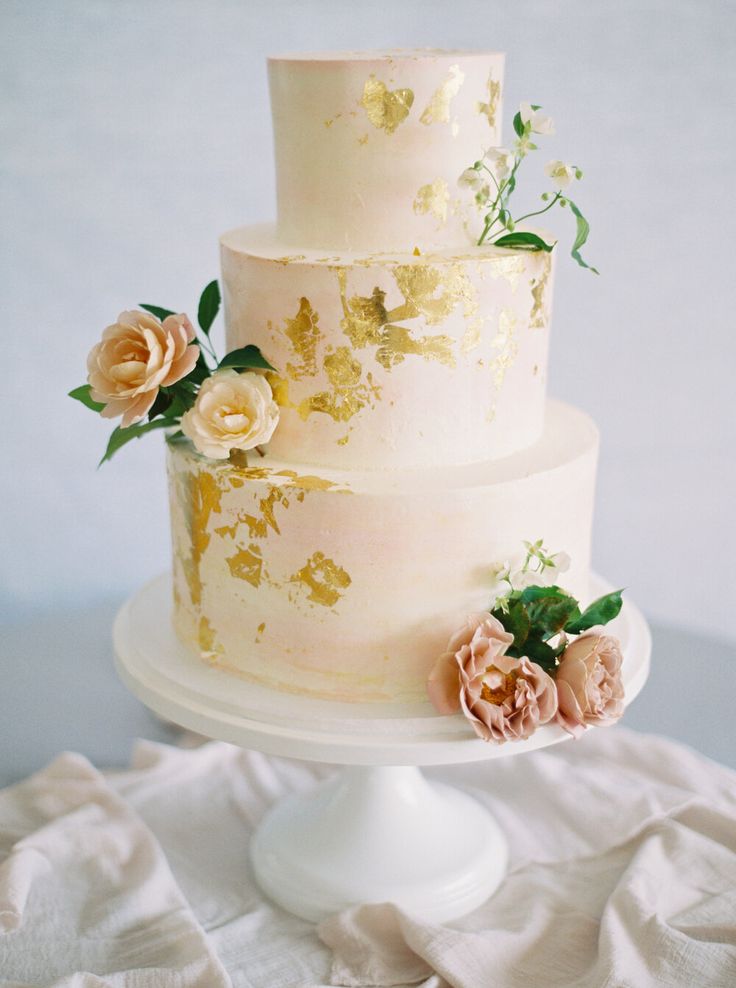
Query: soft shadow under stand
column 377, row 830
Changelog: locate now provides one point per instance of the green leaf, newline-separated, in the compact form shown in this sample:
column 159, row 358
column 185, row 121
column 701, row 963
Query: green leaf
column 82, row 393
column 209, row 306
column 161, row 404
column 539, row 652
column 534, row 593
column 157, row 311
column 515, row 620
column 549, row 615
column 518, row 125
column 581, row 236
column 601, row 611
column 177, row 437
column 121, row 436
column 523, row 240
column 246, row 356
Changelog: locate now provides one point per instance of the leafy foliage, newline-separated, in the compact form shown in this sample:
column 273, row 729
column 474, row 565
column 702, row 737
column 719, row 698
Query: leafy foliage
column 523, row 240
column 83, row 394
column 173, row 401
column 246, row 357
column 121, row 436
column 157, row 311
column 540, row 618
column 209, row 306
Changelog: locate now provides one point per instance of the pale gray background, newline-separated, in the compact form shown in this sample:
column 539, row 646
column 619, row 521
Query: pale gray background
column 133, row 133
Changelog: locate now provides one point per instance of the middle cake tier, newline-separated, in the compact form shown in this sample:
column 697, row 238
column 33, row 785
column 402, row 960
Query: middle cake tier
column 394, row 360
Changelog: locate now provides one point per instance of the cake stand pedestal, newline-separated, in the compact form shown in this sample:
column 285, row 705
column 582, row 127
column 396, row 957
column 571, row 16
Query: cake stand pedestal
column 375, row 831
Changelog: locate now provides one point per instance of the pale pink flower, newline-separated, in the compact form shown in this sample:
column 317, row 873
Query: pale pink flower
column 589, row 686
column 136, row 356
column 505, row 699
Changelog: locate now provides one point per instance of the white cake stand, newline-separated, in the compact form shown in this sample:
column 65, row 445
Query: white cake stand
column 376, row 831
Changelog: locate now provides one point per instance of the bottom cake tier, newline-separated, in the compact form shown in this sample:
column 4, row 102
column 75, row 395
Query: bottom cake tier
column 347, row 585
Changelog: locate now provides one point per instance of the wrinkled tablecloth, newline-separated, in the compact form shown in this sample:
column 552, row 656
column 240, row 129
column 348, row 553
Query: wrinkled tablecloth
column 623, row 874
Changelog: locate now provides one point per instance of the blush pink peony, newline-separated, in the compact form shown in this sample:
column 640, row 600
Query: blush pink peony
column 589, row 686
column 505, row 699
column 136, row 356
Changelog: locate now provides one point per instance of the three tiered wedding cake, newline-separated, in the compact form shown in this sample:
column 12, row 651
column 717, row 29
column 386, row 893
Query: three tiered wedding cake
column 415, row 446
column 393, row 358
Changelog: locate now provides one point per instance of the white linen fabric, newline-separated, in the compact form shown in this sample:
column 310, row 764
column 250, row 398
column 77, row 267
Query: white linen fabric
column 623, row 875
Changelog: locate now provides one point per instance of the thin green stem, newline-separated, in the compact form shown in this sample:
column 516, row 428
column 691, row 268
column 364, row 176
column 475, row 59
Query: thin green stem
column 538, row 212
column 207, row 347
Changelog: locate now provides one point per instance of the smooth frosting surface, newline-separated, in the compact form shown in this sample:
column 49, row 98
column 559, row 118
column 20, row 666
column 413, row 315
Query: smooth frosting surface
column 394, row 360
column 369, row 146
column 347, row 584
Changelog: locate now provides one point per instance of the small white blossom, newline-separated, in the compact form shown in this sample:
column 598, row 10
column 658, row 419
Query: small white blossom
column 470, row 179
column 500, row 160
column 561, row 173
column 540, row 122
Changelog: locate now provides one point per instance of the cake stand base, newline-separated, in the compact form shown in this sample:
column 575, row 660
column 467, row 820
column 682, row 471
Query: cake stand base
column 379, row 835
column 377, row 831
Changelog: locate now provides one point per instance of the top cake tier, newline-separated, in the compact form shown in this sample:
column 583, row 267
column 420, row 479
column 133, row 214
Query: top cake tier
column 369, row 146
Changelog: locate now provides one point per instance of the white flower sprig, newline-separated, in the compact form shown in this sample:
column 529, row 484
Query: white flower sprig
column 538, row 568
column 492, row 179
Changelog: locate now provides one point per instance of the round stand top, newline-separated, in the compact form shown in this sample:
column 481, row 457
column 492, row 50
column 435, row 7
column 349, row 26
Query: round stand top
column 175, row 683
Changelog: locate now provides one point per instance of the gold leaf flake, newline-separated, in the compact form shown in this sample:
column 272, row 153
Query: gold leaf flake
column 489, row 109
column 304, row 335
column 438, row 108
column 384, row 108
column 505, row 343
column 348, row 394
column 325, row 580
column 209, row 648
column 538, row 316
column 471, row 336
column 433, row 198
column 201, row 498
column 247, row 564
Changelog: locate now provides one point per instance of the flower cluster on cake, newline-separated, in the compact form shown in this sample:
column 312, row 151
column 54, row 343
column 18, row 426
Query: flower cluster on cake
column 377, row 431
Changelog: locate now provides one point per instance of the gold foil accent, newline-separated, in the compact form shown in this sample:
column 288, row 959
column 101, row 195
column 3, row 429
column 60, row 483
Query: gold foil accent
column 247, row 564
column 432, row 292
column 433, row 198
column 510, row 268
column 505, row 343
column 209, row 648
column 538, row 316
column 280, row 389
column 325, row 580
column 290, row 259
column 201, row 498
column 304, row 334
column 471, row 337
column 259, row 525
column 348, row 393
column 397, row 343
column 438, row 108
column 489, row 109
column 363, row 140
column 385, row 109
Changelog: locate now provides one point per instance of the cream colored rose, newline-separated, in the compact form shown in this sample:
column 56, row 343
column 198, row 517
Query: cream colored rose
column 589, row 685
column 505, row 699
column 136, row 356
column 232, row 411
